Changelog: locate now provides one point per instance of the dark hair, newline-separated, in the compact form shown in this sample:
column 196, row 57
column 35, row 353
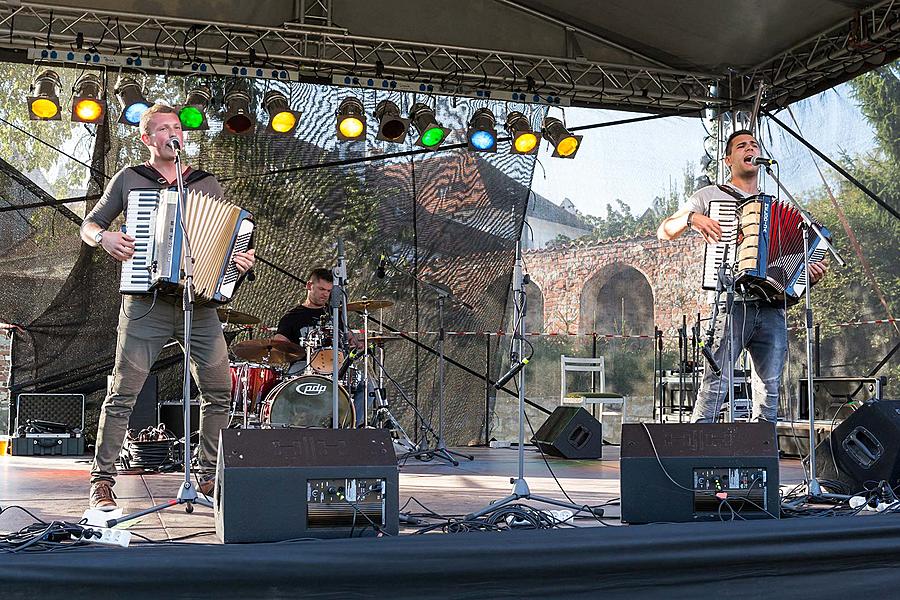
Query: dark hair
column 734, row 135
column 322, row 274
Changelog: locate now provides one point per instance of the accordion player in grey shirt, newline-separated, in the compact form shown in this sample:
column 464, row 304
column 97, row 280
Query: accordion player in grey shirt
column 148, row 322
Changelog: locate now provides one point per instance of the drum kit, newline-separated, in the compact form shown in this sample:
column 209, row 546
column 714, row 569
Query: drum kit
column 277, row 383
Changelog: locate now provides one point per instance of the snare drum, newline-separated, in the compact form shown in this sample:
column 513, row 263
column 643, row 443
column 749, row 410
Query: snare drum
column 260, row 381
column 306, row 401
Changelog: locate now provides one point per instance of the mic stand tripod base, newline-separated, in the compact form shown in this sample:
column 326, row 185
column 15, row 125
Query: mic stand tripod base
column 187, row 495
column 521, row 492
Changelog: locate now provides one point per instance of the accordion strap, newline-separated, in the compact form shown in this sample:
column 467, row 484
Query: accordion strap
column 148, row 172
column 728, row 190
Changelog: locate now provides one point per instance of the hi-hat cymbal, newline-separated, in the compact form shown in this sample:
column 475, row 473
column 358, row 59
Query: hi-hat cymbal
column 227, row 315
column 263, row 350
column 380, row 339
column 361, row 305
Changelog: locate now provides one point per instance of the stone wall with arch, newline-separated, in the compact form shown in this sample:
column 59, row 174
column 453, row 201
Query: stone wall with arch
column 573, row 278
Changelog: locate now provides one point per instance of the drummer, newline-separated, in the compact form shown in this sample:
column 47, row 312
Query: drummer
column 302, row 320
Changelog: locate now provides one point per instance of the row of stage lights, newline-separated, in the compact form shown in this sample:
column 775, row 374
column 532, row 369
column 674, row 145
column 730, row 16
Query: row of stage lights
column 88, row 106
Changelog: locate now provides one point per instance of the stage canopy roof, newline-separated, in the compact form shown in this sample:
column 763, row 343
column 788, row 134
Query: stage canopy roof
column 647, row 55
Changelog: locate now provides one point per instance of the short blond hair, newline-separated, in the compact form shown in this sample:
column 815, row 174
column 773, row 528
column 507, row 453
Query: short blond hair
column 156, row 109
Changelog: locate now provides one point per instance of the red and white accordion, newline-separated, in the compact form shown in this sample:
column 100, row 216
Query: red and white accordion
column 762, row 240
column 215, row 229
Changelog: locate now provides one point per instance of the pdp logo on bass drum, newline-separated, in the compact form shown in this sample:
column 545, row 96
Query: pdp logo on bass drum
column 311, row 389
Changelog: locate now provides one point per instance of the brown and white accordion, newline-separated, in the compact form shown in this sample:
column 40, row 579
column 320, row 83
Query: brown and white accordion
column 763, row 242
column 215, row 229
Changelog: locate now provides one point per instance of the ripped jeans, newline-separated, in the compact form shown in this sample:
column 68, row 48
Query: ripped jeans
column 759, row 327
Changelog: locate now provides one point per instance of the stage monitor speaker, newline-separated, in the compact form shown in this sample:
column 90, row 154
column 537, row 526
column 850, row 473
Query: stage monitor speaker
column 864, row 449
column 570, row 432
column 836, row 397
column 282, row 484
column 683, row 472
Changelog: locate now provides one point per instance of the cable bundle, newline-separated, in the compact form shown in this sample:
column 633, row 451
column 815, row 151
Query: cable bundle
column 152, row 450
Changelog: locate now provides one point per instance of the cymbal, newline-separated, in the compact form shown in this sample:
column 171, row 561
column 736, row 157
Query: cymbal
column 227, row 315
column 268, row 350
column 380, row 339
column 361, row 305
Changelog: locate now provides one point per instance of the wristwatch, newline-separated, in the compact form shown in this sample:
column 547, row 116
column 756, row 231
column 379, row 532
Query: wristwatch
column 98, row 237
column 690, row 219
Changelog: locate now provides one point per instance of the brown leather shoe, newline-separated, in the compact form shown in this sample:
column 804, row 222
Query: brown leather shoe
column 102, row 496
column 206, row 486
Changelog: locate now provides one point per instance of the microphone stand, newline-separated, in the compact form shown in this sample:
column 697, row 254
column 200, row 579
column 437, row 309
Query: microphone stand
column 440, row 449
column 187, row 494
column 520, row 485
column 338, row 304
column 806, row 226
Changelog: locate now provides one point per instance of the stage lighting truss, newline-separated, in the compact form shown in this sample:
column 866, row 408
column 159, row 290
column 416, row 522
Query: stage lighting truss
column 351, row 120
column 238, row 119
column 524, row 139
column 481, row 134
column 391, row 126
column 131, row 99
column 43, row 104
column 431, row 133
column 87, row 104
column 565, row 145
column 282, row 119
column 192, row 113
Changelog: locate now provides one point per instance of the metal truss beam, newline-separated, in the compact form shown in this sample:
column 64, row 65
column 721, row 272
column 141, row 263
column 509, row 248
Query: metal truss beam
column 305, row 52
column 870, row 39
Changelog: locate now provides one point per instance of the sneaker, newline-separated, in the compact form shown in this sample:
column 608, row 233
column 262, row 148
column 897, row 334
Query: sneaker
column 102, row 496
column 206, row 486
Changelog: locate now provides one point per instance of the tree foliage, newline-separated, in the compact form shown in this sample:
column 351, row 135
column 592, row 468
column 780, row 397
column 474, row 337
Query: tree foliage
column 847, row 294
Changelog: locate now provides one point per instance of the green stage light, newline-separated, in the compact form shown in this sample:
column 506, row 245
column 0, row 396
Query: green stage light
column 431, row 133
column 193, row 113
column 43, row 104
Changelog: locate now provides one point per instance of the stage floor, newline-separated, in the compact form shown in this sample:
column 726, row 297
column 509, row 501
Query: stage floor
column 56, row 488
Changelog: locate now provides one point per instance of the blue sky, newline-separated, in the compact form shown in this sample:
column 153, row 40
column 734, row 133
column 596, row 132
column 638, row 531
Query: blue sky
column 639, row 161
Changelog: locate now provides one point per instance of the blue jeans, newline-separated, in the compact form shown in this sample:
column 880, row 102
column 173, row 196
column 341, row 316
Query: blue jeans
column 759, row 328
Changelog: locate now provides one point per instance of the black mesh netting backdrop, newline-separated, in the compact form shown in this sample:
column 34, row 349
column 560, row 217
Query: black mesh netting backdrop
column 450, row 216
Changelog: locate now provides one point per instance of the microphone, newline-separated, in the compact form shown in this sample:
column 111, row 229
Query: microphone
column 760, row 161
column 382, row 263
column 174, row 144
column 511, row 373
column 708, row 355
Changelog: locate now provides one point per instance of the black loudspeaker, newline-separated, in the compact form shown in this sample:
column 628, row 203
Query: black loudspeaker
column 282, row 484
column 171, row 414
column 570, row 432
column 864, row 449
column 682, row 472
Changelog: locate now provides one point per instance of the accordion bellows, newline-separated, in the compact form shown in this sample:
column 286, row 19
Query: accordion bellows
column 215, row 230
column 763, row 241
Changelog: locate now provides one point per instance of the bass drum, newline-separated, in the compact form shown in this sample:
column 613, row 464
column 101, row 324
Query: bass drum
column 306, row 401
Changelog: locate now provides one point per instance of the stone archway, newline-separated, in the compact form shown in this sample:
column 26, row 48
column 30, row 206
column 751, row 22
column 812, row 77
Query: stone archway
column 618, row 299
